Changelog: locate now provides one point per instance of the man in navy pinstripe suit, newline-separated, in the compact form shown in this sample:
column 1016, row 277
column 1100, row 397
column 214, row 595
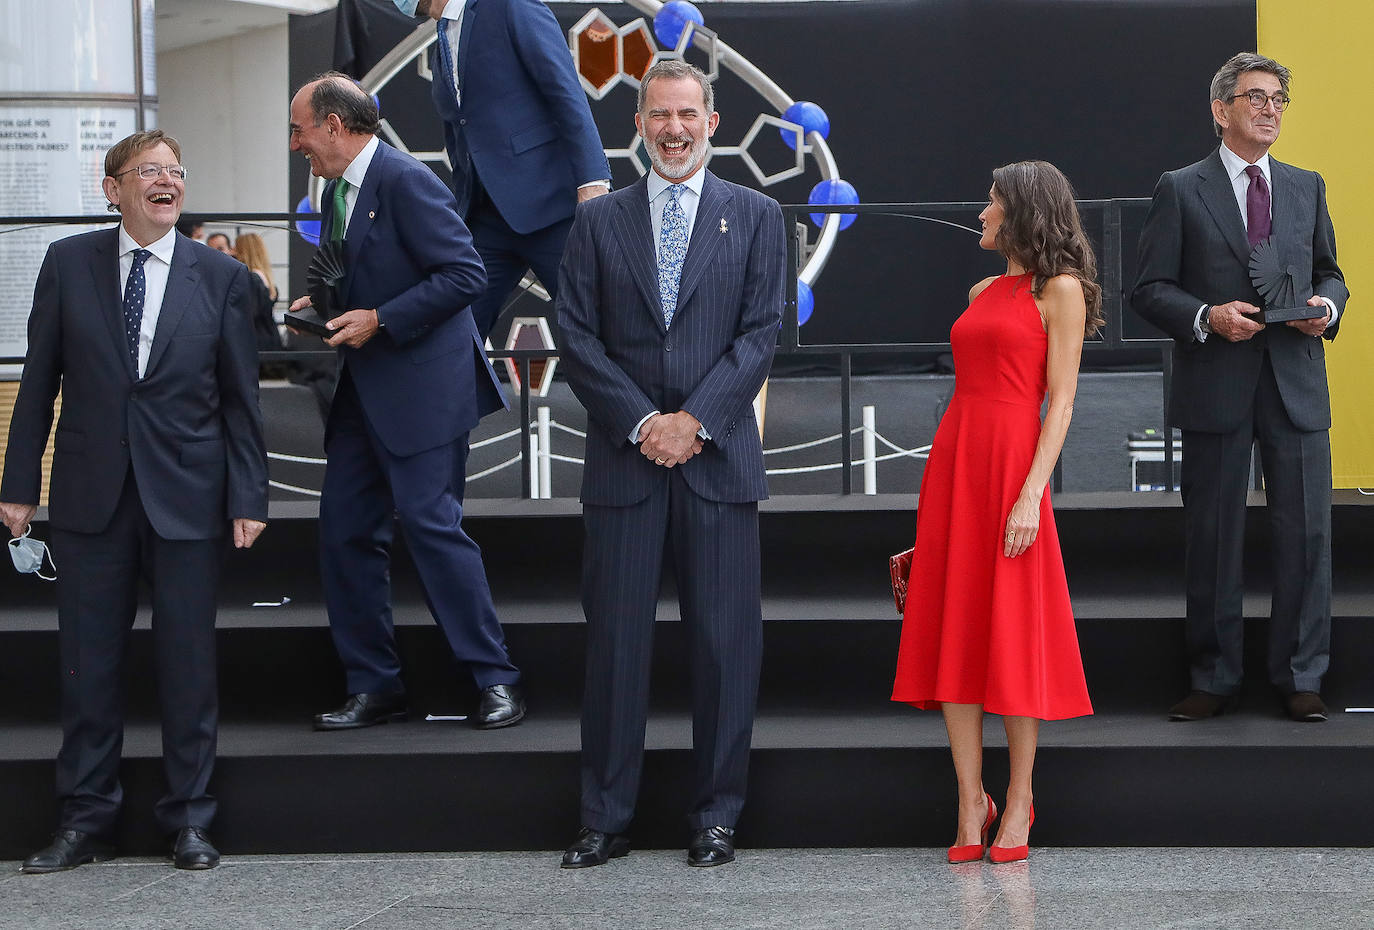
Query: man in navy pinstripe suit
column 669, row 300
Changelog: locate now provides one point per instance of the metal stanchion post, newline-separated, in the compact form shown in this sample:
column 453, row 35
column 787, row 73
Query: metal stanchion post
column 545, row 455
column 870, row 450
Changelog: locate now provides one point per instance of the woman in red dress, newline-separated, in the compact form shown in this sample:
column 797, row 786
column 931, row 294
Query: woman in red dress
column 988, row 623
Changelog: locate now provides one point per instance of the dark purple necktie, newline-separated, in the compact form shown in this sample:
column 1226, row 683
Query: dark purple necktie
column 1256, row 207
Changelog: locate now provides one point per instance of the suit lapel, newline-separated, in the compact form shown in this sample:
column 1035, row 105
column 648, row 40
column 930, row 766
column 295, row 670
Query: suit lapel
column 1283, row 196
column 1220, row 200
column 636, row 234
column 182, row 281
column 364, row 212
column 464, row 38
column 713, row 214
column 105, row 274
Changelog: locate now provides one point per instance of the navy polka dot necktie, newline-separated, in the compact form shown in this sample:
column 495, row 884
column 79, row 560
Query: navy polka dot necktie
column 135, row 290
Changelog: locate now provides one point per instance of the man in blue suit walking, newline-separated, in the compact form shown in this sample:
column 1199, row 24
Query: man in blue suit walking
column 520, row 137
column 413, row 381
column 671, row 294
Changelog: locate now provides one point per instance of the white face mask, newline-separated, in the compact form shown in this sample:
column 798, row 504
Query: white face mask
column 407, row 6
column 27, row 555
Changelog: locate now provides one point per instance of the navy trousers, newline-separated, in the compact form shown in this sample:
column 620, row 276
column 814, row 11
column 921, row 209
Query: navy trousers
column 507, row 255
column 715, row 549
column 364, row 487
column 97, row 596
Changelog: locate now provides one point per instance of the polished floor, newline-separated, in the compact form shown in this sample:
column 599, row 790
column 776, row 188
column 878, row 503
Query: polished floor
column 1058, row 889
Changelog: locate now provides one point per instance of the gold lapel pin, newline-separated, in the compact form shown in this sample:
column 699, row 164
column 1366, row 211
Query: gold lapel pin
column 723, row 228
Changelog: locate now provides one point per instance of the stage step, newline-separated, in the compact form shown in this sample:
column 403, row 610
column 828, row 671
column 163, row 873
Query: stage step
column 835, row 763
column 880, row 778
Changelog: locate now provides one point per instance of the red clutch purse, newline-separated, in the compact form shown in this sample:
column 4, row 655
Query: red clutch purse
column 901, row 572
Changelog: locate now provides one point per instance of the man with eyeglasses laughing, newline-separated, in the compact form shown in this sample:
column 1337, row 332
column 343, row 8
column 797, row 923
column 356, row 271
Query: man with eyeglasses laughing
column 1239, row 379
column 158, row 457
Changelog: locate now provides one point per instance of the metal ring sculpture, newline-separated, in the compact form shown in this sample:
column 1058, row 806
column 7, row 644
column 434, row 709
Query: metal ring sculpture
column 596, row 26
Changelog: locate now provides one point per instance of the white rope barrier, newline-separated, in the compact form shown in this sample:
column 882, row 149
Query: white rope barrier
column 306, row 459
column 545, row 455
column 291, row 487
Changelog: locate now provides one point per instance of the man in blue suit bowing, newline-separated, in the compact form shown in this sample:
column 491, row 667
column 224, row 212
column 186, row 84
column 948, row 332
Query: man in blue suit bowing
column 669, row 305
column 413, row 380
column 520, row 137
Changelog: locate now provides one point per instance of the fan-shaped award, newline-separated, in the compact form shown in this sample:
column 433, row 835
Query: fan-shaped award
column 324, row 279
column 1276, row 287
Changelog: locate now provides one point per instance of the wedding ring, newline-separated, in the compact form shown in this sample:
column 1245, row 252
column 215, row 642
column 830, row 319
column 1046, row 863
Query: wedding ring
column 660, row 461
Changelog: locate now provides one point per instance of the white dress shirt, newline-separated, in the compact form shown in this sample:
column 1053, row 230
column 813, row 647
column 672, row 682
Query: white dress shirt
column 1240, row 186
column 659, row 197
column 354, row 175
column 658, row 200
column 155, row 272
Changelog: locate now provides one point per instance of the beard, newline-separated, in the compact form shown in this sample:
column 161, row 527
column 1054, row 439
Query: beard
column 683, row 166
column 422, row 8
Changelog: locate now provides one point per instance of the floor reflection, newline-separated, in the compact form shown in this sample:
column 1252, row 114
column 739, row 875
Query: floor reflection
column 995, row 897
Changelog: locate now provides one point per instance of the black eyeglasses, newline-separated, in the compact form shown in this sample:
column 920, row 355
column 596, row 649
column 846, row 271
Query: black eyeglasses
column 148, row 171
column 1259, row 98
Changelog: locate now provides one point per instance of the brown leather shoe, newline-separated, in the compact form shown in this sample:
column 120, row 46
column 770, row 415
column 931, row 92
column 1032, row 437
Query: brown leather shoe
column 1306, row 707
column 1199, row 705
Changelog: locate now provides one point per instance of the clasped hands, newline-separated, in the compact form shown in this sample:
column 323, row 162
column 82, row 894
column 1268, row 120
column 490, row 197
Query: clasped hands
column 353, row 328
column 1234, row 321
column 670, row 439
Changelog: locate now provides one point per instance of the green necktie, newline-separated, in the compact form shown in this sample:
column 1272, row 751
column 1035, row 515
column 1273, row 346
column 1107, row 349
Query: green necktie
column 339, row 226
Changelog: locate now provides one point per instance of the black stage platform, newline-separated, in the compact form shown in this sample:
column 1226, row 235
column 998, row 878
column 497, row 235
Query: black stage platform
column 835, row 764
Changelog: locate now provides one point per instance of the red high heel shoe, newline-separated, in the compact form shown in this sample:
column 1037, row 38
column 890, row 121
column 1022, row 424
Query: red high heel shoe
column 974, row 852
column 1002, row 854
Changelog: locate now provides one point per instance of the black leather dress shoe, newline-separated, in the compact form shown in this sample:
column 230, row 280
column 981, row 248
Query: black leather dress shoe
column 69, row 848
column 1306, row 707
column 592, row 847
column 711, row 846
column 363, row 710
column 500, row 706
column 192, row 849
column 1199, row 705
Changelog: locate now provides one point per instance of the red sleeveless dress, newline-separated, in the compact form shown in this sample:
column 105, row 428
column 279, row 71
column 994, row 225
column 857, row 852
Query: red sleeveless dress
column 981, row 628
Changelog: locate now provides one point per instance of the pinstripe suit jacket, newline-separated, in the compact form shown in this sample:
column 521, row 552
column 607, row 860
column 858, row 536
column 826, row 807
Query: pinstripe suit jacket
column 623, row 362
column 1193, row 251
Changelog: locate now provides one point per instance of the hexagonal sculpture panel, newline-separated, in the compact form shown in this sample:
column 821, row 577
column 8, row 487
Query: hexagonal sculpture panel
column 596, row 47
column 637, row 51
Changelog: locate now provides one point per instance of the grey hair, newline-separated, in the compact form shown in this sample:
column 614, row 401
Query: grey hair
column 337, row 93
column 677, row 69
column 1228, row 76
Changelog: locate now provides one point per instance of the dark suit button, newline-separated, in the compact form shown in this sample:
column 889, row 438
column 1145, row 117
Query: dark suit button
column 667, row 347
column 462, row 122
column 124, row 443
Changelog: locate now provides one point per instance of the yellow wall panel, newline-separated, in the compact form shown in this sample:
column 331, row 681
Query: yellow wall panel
column 1329, row 129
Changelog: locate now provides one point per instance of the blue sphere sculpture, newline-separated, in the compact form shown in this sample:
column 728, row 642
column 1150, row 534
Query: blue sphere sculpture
column 834, row 191
column 806, row 302
column 308, row 229
column 672, row 18
column 809, row 117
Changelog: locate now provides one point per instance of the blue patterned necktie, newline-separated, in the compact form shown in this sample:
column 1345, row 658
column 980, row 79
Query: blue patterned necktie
column 446, row 59
column 672, row 250
column 135, row 290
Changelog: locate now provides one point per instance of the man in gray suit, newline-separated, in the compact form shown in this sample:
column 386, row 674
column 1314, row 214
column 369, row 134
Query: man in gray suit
column 1238, row 381
column 669, row 301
